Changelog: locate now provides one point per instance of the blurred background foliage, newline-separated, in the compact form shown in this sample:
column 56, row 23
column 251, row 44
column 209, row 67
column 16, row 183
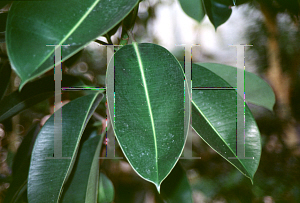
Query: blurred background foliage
column 212, row 178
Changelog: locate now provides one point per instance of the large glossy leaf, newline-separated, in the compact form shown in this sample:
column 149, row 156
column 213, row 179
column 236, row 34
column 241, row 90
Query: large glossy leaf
column 257, row 91
column 5, row 72
column 20, row 166
column 193, row 8
column 34, row 24
column 83, row 183
column 176, row 187
column 106, row 189
column 33, row 93
column 149, row 109
column 214, row 119
column 47, row 176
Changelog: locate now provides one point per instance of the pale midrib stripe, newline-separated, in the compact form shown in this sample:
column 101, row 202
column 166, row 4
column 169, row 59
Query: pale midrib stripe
column 222, row 140
column 72, row 30
column 135, row 45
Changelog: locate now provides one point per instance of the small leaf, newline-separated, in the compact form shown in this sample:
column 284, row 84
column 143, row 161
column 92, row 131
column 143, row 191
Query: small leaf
column 193, row 8
column 106, row 189
column 149, row 109
column 82, row 185
column 5, row 72
column 33, row 93
column 257, row 91
column 48, row 176
column 176, row 187
column 218, row 11
column 34, row 24
column 214, row 119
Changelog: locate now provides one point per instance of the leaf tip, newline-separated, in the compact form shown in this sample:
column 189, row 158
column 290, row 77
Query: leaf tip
column 158, row 188
column 22, row 85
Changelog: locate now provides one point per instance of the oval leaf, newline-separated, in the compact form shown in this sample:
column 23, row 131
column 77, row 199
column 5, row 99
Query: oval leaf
column 214, row 119
column 106, row 189
column 34, row 24
column 82, row 185
column 218, row 11
column 257, row 91
column 47, row 176
column 193, row 8
column 149, row 109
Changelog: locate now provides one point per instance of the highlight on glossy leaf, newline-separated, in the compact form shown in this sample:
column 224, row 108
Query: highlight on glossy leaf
column 59, row 24
column 47, row 175
column 149, row 109
column 215, row 120
column 82, row 184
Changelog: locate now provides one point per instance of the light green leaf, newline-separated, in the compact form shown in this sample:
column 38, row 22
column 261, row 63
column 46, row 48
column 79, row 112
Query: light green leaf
column 149, row 109
column 214, row 119
column 193, row 8
column 34, row 24
column 82, row 185
column 33, row 93
column 47, row 176
column 106, row 189
column 257, row 91
column 176, row 187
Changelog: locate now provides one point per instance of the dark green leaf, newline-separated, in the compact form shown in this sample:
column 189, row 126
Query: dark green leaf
column 82, row 185
column 218, row 11
column 5, row 72
column 214, row 119
column 34, row 24
column 257, row 91
column 106, row 190
column 176, row 187
column 33, row 93
column 193, row 8
column 149, row 109
column 48, row 176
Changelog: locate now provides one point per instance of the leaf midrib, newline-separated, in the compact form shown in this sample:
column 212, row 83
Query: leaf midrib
column 135, row 45
column 74, row 155
column 222, row 140
column 70, row 32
